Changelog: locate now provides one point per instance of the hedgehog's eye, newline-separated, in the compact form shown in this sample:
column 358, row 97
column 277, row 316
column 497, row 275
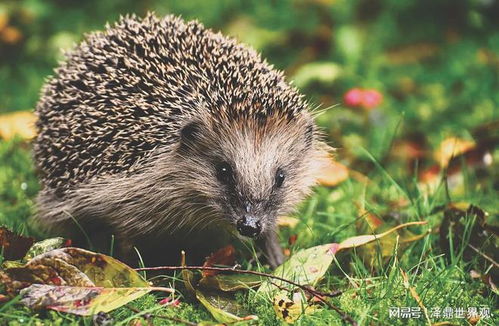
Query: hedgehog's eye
column 224, row 173
column 279, row 178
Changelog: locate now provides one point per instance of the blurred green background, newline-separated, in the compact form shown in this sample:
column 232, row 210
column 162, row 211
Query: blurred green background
column 435, row 61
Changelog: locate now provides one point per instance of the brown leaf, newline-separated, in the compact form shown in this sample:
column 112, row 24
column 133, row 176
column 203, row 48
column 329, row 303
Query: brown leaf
column 11, row 35
column 486, row 279
column 9, row 285
column 409, row 149
column 83, row 301
column 470, row 223
column 451, row 147
column 76, row 267
column 74, row 280
column 3, row 298
column 369, row 222
column 223, row 256
column 292, row 239
column 412, row 53
column 14, row 246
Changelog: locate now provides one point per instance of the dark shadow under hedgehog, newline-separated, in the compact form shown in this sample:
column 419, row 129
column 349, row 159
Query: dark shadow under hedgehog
column 171, row 137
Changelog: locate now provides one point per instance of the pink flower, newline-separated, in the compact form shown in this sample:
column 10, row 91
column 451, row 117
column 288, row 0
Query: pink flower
column 365, row 98
column 371, row 98
column 353, row 97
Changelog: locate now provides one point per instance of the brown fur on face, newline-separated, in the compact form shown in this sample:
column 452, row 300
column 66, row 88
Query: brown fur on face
column 133, row 125
column 256, row 150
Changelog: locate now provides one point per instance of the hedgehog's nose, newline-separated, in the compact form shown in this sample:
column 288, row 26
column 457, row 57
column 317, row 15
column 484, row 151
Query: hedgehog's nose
column 249, row 226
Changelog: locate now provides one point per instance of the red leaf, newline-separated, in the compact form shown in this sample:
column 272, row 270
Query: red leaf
column 223, row 256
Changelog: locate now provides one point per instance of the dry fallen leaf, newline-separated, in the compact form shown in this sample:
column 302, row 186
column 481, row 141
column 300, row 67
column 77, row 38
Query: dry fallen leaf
column 365, row 239
column 450, row 148
column 77, row 267
column 465, row 221
column 287, row 221
column 306, row 266
column 74, row 280
column 14, row 246
column 83, row 301
column 17, row 123
column 333, row 174
column 11, row 35
column 290, row 309
column 412, row 53
column 223, row 308
column 223, row 256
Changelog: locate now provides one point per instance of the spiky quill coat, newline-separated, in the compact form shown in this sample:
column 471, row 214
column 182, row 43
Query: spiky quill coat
column 109, row 121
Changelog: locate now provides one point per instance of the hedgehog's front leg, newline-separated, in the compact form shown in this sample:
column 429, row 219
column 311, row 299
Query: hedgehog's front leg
column 269, row 242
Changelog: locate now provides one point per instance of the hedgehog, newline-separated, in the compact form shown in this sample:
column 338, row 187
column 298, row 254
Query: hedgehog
column 160, row 135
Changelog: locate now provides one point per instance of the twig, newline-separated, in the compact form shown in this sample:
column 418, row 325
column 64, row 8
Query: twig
column 148, row 315
column 308, row 289
column 484, row 255
column 242, row 271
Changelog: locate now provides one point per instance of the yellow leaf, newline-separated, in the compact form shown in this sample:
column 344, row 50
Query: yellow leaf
column 450, row 148
column 412, row 53
column 4, row 19
column 224, row 310
column 17, row 123
column 83, row 301
column 287, row 221
column 333, row 174
column 290, row 310
column 360, row 240
column 306, row 266
column 11, row 35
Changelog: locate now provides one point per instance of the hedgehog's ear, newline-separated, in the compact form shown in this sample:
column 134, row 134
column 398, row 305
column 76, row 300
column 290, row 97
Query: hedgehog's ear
column 189, row 133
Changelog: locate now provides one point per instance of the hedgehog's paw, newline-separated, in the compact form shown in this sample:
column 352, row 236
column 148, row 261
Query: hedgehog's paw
column 271, row 249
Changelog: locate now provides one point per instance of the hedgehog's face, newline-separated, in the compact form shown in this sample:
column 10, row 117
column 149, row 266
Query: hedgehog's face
column 251, row 172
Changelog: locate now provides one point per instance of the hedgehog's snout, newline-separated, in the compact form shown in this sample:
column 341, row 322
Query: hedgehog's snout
column 249, row 226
